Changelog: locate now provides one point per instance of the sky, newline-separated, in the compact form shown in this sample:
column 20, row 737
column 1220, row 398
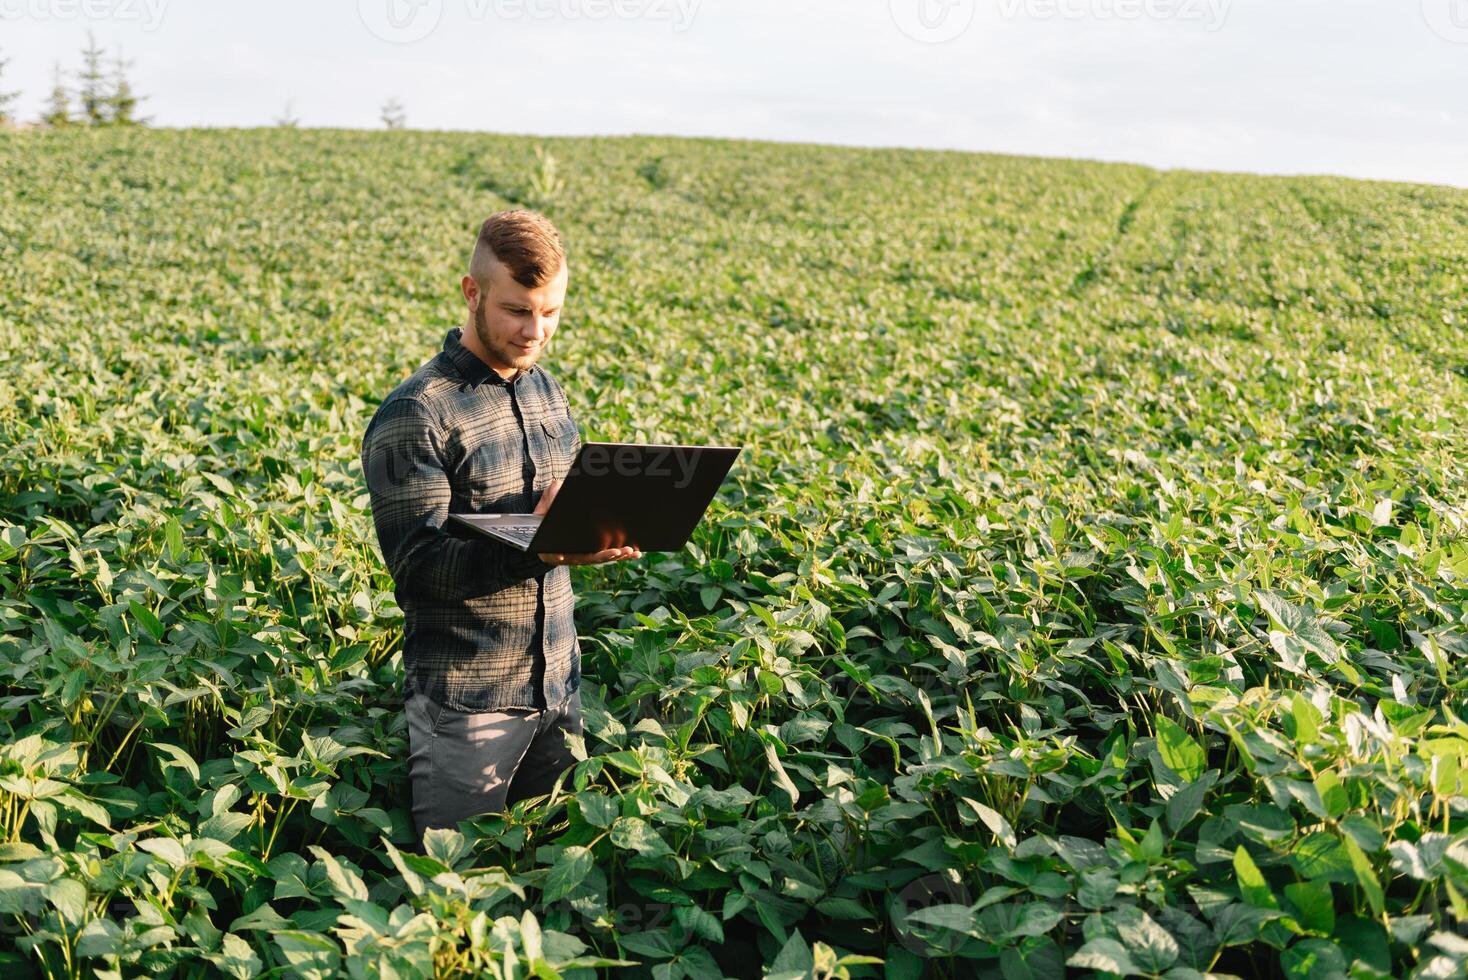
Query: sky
column 1363, row 88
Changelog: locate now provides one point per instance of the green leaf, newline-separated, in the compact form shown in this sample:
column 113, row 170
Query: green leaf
column 1177, row 748
column 1237, row 924
column 1153, row 842
column 635, row 834
column 1003, row 923
column 1365, row 833
column 344, row 882
column 1365, row 875
column 1297, row 633
column 173, row 541
column 657, row 944
column 793, row 962
column 1307, row 720
column 226, row 826
column 570, row 868
column 70, row 898
column 412, row 879
column 958, row 918
column 1266, row 824
column 777, row 769
column 1097, row 888
column 291, row 873
column 236, row 959
column 1310, row 959
column 1106, row 955
column 166, row 848
column 145, row 616
column 1150, row 946
column 1186, row 803
column 699, row 922
column 179, row 756
column 1035, row 958
column 1365, row 940
column 597, row 809
column 100, row 937
column 311, row 955
column 835, row 908
column 444, row 845
column 73, row 800
column 903, row 964
column 264, row 917
column 1313, row 905
column 1333, row 794
column 992, row 819
column 1320, row 856
column 1252, row 886
column 697, row 962
column 18, row 896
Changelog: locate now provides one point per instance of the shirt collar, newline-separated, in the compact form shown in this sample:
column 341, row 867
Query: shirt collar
column 468, row 364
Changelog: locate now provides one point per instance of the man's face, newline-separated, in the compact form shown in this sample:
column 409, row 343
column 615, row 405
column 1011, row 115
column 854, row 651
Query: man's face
column 512, row 322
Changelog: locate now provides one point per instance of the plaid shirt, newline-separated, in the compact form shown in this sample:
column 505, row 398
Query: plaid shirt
column 486, row 626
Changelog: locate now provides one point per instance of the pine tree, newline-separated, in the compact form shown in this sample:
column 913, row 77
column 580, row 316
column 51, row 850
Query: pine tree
column 58, row 104
column 288, row 120
column 122, row 103
column 6, row 98
column 394, row 116
column 93, row 94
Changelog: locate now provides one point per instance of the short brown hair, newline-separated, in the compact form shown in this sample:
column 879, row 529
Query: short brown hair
column 525, row 241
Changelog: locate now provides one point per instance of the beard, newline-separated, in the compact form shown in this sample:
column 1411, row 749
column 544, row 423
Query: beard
column 505, row 353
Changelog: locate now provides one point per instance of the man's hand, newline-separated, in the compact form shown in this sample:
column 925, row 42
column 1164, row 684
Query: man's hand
column 590, row 557
column 543, row 504
column 585, row 558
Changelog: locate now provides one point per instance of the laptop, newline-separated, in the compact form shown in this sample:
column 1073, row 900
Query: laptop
column 618, row 495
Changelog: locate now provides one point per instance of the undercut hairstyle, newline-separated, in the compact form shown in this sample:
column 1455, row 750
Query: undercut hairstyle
column 525, row 241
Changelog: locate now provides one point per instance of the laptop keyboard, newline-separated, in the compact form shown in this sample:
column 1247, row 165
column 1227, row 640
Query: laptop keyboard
column 520, row 533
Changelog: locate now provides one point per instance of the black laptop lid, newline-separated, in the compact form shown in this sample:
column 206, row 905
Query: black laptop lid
column 648, row 497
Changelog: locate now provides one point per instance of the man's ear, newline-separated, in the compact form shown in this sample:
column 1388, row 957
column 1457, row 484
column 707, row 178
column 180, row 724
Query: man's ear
column 470, row 289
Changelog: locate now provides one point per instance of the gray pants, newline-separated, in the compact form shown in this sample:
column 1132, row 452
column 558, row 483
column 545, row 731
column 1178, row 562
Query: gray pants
column 462, row 764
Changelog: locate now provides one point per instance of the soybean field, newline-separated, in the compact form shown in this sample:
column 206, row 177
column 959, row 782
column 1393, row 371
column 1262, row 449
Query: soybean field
column 1090, row 599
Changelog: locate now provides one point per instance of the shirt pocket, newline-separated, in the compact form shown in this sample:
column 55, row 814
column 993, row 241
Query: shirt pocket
column 560, row 444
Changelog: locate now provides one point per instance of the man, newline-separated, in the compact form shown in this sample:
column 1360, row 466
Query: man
column 493, row 667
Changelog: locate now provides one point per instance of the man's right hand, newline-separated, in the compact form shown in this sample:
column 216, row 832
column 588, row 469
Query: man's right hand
column 583, row 558
column 590, row 557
